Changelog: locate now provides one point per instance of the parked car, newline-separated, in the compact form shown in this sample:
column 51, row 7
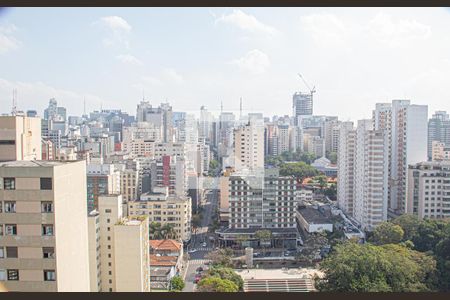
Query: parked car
column 198, row 277
column 199, row 270
column 256, row 254
column 192, row 251
column 204, row 244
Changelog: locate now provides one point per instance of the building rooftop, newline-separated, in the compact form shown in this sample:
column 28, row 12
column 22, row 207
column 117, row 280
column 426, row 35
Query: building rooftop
column 314, row 216
column 35, row 163
column 168, row 245
column 165, row 261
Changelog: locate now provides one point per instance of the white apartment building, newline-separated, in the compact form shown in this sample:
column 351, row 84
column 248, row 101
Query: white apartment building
column 429, row 190
column 44, row 227
column 370, row 175
column 20, row 138
column 345, row 162
column 249, row 147
column 162, row 208
column 407, row 127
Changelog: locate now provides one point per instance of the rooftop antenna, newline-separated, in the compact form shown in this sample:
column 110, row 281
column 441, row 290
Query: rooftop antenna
column 14, row 103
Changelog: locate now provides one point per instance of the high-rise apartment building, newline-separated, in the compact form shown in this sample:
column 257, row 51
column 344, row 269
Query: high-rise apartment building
column 440, row 151
column 406, row 126
column 20, row 138
column 429, row 190
column 249, row 147
column 346, row 165
column 43, row 226
column 102, row 179
column 438, row 130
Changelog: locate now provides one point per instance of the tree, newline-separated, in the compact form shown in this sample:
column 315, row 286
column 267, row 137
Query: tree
column 353, row 267
column 227, row 273
column 409, row 223
column 322, row 180
column 387, row 233
column 159, row 232
column 332, row 156
column 264, row 236
column 176, row 284
column 300, row 170
column 221, row 257
column 196, row 220
column 216, row 284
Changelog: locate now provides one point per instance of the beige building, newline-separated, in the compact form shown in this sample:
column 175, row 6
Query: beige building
column 119, row 249
column 162, row 208
column 20, row 138
column 249, row 147
column 43, row 226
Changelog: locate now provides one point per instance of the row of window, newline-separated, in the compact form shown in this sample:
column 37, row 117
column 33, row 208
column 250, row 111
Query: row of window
column 13, row 275
column 11, row 229
column 12, row 252
column 9, row 183
column 10, row 206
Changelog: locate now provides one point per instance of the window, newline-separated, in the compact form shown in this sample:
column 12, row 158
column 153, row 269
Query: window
column 1, row 229
column 107, row 211
column 11, row 252
column 49, row 275
column 10, row 206
column 47, row 229
column 47, row 207
column 10, row 229
column 13, row 274
column 48, row 252
column 9, row 183
column 46, row 184
column 2, row 252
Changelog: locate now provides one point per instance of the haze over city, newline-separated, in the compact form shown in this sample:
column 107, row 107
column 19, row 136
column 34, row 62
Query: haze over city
column 190, row 57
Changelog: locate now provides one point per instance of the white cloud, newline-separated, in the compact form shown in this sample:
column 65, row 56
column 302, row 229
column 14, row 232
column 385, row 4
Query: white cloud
column 325, row 28
column 172, row 76
column 245, row 22
column 397, row 32
column 151, row 80
column 7, row 41
column 254, row 62
column 117, row 28
column 129, row 59
column 116, row 23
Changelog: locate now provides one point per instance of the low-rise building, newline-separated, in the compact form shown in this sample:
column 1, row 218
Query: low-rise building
column 314, row 219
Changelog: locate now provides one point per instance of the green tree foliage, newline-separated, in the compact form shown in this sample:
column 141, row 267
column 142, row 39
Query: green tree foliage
column 332, row 156
column 176, row 284
column 409, row 224
column 353, row 267
column 227, row 273
column 196, row 220
column 387, row 233
column 300, row 170
column 216, row 284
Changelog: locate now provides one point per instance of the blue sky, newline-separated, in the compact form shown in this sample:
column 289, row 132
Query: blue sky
column 202, row 56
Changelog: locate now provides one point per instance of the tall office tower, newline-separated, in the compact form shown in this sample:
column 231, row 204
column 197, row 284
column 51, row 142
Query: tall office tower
column 31, row 113
column 141, row 111
column 296, row 139
column 166, row 111
column 205, row 125
column 406, row 126
column 102, row 179
column 438, row 130
column 302, row 105
column 429, row 190
column 370, row 175
column 162, row 208
column 283, row 138
column 119, row 249
column 20, row 138
column 249, row 147
column 187, row 130
column 43, row 226
column 345, row 162
column 51, row 110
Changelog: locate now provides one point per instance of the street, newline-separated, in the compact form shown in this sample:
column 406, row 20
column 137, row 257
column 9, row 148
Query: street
column 197, row 249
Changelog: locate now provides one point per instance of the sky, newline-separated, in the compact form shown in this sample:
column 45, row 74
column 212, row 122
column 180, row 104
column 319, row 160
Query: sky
column 115, row 57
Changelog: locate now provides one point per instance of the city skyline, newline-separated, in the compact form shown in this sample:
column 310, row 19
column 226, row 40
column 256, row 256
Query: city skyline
column 217, row 55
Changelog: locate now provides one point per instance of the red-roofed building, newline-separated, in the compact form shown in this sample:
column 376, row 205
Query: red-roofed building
column 165, row 262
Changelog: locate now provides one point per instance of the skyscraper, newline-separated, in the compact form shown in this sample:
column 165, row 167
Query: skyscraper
column 302, row 105
column 438, row 130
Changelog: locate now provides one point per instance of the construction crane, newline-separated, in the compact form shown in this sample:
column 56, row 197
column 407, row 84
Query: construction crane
column 313, row 90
